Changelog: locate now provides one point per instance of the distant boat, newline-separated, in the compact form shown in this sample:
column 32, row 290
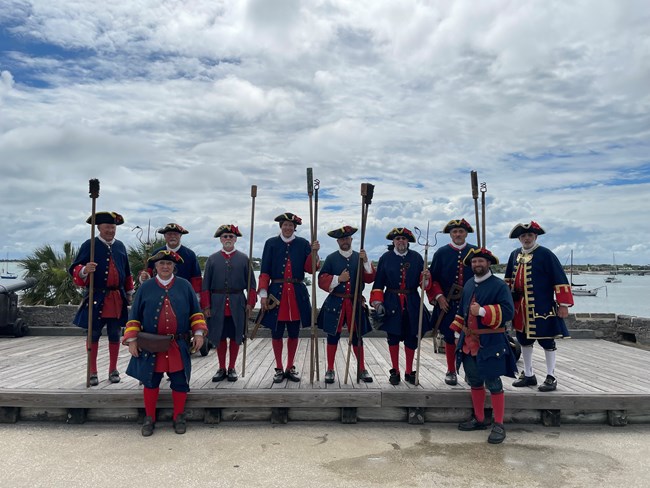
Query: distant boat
column 613, row 278
column 579, row 290
column 6, row 274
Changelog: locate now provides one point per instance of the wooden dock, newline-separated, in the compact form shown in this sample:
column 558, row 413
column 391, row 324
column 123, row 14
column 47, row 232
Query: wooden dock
column 43, row 378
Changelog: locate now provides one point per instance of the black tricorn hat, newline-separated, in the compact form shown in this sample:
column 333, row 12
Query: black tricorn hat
column 166, row 255
column 106, row 218
column 288, row 217
column 400, row 231
column 533, row 227
column 461, row 224
column 480, row 252
column 341, row 232
column 172, row 227
column 227, row 228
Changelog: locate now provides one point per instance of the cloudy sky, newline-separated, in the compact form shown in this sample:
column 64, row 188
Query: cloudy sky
column 178, row 107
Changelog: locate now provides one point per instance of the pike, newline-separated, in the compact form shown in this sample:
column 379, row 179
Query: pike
column 93, row 190
column 367, row 192
column 250, row 276
column 421, row 314
column 312, row 191
column 474, row 178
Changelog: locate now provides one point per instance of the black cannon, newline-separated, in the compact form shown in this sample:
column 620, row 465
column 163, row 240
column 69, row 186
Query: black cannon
column 10, row 324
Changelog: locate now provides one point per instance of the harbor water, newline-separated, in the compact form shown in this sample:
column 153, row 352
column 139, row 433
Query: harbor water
column 629, row 297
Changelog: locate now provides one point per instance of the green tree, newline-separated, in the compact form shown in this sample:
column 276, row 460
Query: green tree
column 54, row 285
column 138, row 255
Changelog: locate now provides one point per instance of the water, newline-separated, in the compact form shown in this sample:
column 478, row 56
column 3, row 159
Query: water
column 630, row 297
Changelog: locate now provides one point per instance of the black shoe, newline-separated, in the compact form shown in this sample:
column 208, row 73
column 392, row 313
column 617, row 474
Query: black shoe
column 472, row 424
column 329, row 376
column 498, row 434
column 525, row 381
column 180, row 424
column 292, row 374
column 410, row 377
column 365, row 376
column 279, row 376
column 148, row 426
column 550, row 384
column 114, row 376
column 220, row 375
column 232, row 374
column 394, row 377
column 451, row 378
column 93, row 381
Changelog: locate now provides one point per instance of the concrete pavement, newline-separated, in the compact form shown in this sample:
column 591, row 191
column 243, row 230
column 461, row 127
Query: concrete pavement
column 328, row 454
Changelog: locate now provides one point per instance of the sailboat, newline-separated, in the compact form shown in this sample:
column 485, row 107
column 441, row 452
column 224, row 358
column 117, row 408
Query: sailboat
column 6, row 274
column 613, row 278
column 580, row 290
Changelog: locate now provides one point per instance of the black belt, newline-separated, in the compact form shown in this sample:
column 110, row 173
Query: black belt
column 400, row 291
column 227, row 291
column 184, row 336
column 108, row 288
column 343, row 295
column 285, row 280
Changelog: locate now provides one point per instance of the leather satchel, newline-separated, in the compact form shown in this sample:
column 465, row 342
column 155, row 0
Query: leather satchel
column 154, row 342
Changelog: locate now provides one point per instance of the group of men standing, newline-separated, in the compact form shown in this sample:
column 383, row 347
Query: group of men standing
column 471, row 307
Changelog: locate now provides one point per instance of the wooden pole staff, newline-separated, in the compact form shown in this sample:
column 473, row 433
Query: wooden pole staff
column 367, row 192
column 250, row 276
column 426, row 260
column 484, row 233
column 93, row 190
column 474, row 177
column 313, row 352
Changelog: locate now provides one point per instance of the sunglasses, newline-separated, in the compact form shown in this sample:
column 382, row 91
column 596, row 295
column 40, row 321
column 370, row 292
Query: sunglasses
column 228, row 236
column 400, row 238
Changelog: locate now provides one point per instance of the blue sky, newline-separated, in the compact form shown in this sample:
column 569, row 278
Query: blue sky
column 179, row 107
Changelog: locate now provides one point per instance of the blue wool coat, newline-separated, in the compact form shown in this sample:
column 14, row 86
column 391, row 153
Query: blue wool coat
column 330, row 312
column 146, row 310
column 495, row 357
column 103, row 253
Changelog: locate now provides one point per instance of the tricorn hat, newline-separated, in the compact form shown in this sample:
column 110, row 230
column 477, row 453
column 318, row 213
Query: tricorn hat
column 480, row 252
column 106, row 218
column 172, row 227
column 166, row 255
column 288, row 217
column 400, row 231
column 341, row 232
column 461, row 224
column 227, row 228
column 519, row 229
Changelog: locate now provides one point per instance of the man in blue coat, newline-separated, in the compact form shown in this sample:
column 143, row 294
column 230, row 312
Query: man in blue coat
column 189, row 268
column 483, row 347
column 542, row 296
column 165, row 306
column 224, row 283
column 338, row 277
column 449, row 274
column 395, row 297
column 285, row 260
column 112, row 290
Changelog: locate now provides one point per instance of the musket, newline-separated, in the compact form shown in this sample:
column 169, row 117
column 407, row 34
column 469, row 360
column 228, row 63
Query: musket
column 454, row 293
column 93, row 190
column 367, row 192
column 250, row 276
column 474, row 177
column 312, row 192
column 421, row 314
column 271, row 303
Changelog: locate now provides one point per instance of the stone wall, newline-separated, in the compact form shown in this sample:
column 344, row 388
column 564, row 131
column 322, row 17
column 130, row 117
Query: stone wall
column 58, row 321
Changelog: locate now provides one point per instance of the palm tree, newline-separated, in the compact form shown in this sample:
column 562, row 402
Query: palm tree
column 139, row 254
column 54, row 285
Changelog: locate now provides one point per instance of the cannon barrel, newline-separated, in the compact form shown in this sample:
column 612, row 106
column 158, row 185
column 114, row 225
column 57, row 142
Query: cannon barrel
column 18, row 285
